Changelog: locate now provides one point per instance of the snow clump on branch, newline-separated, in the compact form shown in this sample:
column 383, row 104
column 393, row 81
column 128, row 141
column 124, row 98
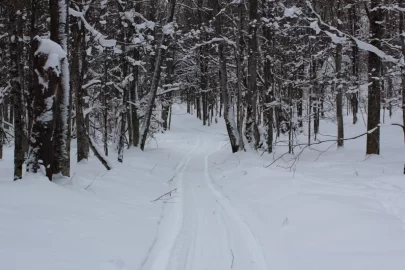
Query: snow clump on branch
column 54, row 52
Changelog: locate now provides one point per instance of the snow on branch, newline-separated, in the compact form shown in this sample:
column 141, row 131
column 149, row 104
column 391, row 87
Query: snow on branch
column 292, row 12
column 168, row 29
column 97, row 35
column 53, row 51
column 162, row 92
column 390, row 8
column 130, row 15
column 134, row 63
column 214, row 40
column 338, row 37
column 91, row 83
column 3, row 92
column 75, row 13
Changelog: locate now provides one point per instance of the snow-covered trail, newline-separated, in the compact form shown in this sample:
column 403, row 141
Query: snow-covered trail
column 202, row 229
column 225, row 211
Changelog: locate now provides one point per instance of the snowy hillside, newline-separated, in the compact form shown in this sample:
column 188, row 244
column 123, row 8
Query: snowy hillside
column 334, row 210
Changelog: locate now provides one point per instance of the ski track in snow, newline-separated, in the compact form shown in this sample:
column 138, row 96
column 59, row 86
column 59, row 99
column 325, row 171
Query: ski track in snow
column 168, row 228
column 249, row 238
column 202, row 230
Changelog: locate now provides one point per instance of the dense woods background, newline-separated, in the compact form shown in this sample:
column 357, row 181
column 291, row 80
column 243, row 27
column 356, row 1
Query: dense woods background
column 106, row 72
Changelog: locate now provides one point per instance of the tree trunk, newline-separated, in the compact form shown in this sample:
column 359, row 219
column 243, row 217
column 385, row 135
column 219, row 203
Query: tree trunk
column 339, row 84
column 46, row 85
column 59, row 33
column 339, row 97
column 134, row 99
column 316, row 106
column 125, row 91
column 170, row 117
column 401, row 4
column 123, row 125
column 77, row 76
column 269, row 76
column 252, row 131
column 167, row 100
column 105, row 108
column 229, row 115
column 2, row 133
column 98, row 153
column 155, row 78
column 238, row 56
column 374, row 71
column 355, row 52
column 17, row 92
column 33, row 32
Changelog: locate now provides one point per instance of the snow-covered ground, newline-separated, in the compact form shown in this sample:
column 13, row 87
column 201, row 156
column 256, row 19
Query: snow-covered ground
column 333, row 210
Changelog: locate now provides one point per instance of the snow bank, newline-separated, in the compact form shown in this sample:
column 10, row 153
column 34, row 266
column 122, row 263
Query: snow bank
column 94, row 220
column 336, row 209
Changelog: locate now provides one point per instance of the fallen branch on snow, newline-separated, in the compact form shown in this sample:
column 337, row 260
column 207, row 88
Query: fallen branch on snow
column 166, row 194
column 97, row 152
column 320, row 142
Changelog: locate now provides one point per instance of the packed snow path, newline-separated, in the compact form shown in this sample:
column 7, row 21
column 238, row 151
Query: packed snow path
column 337, row 211
column 206, row 232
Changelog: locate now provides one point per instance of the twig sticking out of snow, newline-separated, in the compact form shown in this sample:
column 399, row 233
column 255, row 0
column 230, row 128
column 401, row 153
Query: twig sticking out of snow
column 233, row 258
column 94, row 179
column 164, row 195
column 153, row 168
column 171, row 179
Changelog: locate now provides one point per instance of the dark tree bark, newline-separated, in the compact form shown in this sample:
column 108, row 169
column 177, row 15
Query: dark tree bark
column 17, row 77
column 223, row 83
column 401, row 4
column 134, row 91
column 105, row 107
column 339, row 85
column 239, row 55
column 134, row 99
column 354, row 100
column 252, row 131
column 124, row 85
column 33, row 32
column 78, row 70
column 123, row 124
column 167, row 97
column 156, row 77
column 268, row 76
column 98, row 153
column 374, row 71
column 46, row 85
column 2, row 133
column 316, row 108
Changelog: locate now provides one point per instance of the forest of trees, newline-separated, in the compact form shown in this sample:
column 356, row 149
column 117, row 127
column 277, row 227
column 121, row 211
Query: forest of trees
column 106, row 72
